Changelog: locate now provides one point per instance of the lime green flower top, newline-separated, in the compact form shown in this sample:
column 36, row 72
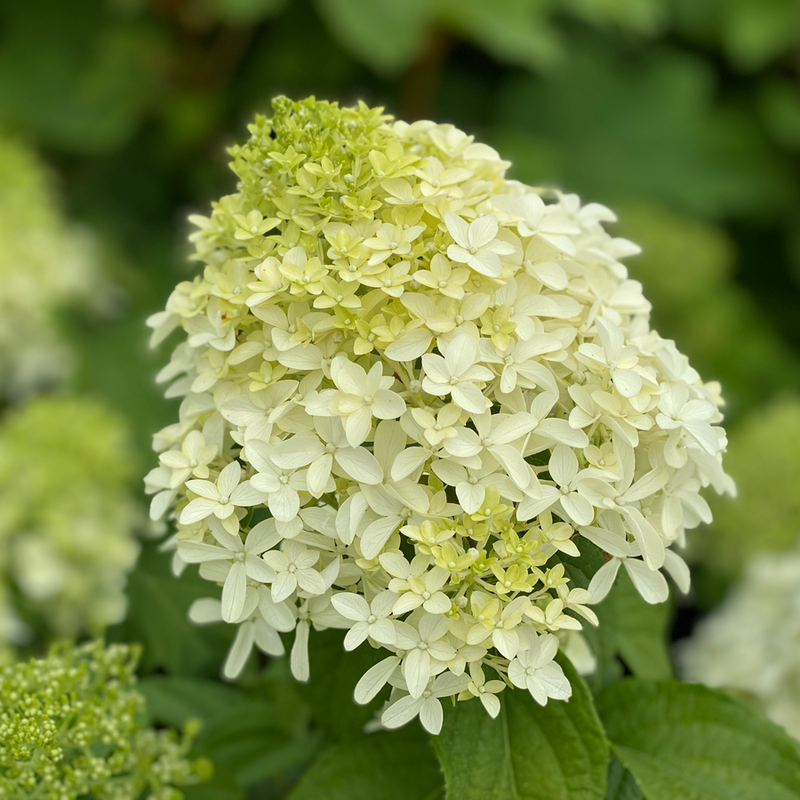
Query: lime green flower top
column 71, row 724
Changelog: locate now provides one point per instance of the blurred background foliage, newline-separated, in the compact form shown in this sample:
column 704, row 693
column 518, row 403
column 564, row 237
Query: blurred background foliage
column 683, row 116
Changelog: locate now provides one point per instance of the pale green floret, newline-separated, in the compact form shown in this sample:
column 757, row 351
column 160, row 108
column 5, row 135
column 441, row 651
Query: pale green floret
column 71, row 725
column 67, row 527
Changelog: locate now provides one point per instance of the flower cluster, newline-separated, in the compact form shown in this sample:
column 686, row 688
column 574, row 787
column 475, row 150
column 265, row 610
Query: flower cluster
column 410, row 386
column 44, row 266
column 70, row 727
column 67, row 527
column 751, row 644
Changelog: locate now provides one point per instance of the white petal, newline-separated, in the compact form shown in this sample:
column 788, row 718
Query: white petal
column 352, row 606
column 205, row 611
column 284, row 504
column 198, row 509
column 233, row 592
column 650, row 584
column 417, row 671
column 258, row 570
column 318, row 474
column 627, row 382
column 470, row 496
column 311, row 581
column 411, row 346
column 360, row 465
column 603, row 580
column 491, row 702
column 298, row 660
column 407, row 462
column 198, row 552
column 377, row 534
column 240, row 650
column 245, row 494
column 678, row 570
column 374, row 679
column 563, row 464
column 356, row 635
column 401, row 712
column 299, row 451
column 229, row 478
column 431, row 715
column 283, row 586
column 469, row 397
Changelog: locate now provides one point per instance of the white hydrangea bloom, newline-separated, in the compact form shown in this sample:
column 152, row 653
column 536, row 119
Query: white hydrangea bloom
column 45, row 266
column 67, row 531
column 750, row 645
column 423, row 383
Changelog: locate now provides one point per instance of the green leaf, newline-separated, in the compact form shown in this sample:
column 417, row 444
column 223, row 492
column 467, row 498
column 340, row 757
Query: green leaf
column 385, row 34
column 334, row 675
column 621, row 784
column 173, row 700
column 640, row 630
column 512, row 31
column 684, row 742
column 391, row 766
column 596, row 124
column 76, row 74
column 244, row 12
column 530, row 752
column 255, row 745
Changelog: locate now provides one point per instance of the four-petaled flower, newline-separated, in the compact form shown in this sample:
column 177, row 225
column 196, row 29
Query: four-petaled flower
column 221, row 498
column 476, row 244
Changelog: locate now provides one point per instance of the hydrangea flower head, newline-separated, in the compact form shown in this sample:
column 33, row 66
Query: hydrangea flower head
column 750, row 645
column 409, row 386
column 70, row 727
column 67, row 530
column 45, row 265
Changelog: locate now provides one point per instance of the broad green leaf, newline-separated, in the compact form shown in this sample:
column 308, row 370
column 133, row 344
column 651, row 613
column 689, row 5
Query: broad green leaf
column 334, row 675
column 385, row 34
column 254, row 745
column 656, row 133
column 171, row 700
column 640, row 630
column 391, row 766
column 244, row 12
column 75, row 73
column 220, row 787
column 512, row 31
column 621, row 784
column 530, row 752
column 684, row 742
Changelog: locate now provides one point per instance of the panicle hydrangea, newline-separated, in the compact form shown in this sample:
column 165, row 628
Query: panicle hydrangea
column 409, row 386
column 71, row 726
column 67, row 528
column 45, row 265
column 750, row 645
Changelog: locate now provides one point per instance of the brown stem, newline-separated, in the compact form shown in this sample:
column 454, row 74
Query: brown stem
column 419, row 93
